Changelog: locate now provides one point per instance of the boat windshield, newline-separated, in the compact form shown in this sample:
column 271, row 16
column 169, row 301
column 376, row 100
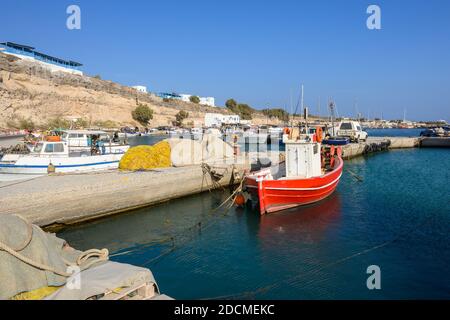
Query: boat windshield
column 38, row 147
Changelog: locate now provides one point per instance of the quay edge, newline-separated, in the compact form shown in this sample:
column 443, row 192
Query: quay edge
column 56, row 200
column 374, row 144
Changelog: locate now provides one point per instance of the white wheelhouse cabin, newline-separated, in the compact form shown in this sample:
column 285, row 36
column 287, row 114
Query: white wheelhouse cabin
column 82, row 140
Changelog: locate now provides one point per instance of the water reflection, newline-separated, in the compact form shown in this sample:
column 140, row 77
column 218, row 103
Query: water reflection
column 136, row 230
column 303, row 224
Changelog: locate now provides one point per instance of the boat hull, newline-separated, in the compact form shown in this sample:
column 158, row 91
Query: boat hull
column 39, row 165
column 277, row 195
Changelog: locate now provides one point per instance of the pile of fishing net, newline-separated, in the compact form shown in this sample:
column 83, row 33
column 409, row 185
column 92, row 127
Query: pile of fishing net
column 177, row 153
column 146, row 157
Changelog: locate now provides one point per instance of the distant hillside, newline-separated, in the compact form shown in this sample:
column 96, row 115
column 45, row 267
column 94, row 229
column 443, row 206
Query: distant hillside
column 30, row 92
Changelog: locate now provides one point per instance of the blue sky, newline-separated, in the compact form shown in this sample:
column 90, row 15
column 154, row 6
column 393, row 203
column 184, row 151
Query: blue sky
column 257, row 52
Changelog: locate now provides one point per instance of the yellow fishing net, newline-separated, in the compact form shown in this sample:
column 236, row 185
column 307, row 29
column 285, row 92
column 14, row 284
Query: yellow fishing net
column 38, row 294
column 146, row 157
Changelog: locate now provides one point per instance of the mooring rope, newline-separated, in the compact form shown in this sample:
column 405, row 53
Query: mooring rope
column 199, row 225
column 20, row 182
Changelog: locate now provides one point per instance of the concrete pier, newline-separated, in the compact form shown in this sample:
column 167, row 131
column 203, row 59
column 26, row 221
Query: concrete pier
column 374, row 144
column 71, row 198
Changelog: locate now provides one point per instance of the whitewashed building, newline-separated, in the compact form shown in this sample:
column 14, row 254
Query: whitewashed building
column 142, row 89
column 218, row 119
column 208, row 101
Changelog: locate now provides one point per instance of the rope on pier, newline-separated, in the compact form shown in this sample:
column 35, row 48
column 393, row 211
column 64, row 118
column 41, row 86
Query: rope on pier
column 19, row 182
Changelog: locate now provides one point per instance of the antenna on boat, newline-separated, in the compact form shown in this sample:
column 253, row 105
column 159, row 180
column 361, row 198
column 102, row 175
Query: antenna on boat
column 303, row 107
column 331, row 106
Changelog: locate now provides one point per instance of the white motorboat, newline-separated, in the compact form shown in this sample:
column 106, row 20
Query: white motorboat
column 49, row 155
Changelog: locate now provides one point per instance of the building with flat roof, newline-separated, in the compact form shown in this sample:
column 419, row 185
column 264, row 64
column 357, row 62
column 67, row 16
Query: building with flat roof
column 218, row 119
column 142, row 89
column 208, row 101
column 29, row 53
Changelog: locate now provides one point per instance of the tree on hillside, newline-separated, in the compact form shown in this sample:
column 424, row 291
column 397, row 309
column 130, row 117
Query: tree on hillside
column 231, row 104
column 194, row 99
column 142, row 114
column 242, row 109
column 27, row 124
column 276, row 113
column 245, row 111
column 181, row 116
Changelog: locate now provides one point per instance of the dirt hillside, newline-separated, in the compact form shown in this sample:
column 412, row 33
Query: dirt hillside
column 29, row 91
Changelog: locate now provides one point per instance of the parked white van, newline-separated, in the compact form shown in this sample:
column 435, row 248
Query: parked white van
column 352, row 130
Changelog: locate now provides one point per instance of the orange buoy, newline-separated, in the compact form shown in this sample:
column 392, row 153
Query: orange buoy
column 319, row 134
column 239, row 200
column 53, row 138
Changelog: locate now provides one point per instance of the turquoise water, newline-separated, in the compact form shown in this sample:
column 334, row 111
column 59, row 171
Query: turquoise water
column 398, row 218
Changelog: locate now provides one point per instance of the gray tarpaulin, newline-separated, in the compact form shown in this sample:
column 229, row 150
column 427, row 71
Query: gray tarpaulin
column 17, row 276
column 103, row 278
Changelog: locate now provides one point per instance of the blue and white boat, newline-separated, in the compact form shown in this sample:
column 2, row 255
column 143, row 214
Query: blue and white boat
column 47, row 155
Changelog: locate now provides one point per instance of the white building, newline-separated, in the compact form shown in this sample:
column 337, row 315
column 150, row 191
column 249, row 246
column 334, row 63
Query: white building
column 208, row 101
column 218, row 119
column 142, row 89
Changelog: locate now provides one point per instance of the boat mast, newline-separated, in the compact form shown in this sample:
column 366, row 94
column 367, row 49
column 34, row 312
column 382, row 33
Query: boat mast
column 331, row 106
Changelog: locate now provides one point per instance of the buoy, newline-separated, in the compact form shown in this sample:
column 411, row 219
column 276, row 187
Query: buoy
column 239, row 200
column 50, row 168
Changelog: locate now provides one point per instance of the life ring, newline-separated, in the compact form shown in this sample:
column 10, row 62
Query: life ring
column 319, row 134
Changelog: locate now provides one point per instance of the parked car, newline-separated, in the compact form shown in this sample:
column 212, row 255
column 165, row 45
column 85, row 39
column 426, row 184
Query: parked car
column 352, row 130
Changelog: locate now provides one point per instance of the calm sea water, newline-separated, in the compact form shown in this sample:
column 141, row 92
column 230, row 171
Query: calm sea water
column 397, row 218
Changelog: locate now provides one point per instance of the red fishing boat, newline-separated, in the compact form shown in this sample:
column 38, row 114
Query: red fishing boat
column 310, row 173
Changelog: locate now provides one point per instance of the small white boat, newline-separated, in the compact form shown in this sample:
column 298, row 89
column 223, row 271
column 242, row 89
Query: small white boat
column 48, row 154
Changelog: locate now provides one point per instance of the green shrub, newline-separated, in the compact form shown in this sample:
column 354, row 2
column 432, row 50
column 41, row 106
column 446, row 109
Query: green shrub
column 58, row 123
column 180, row 116
column 142, row 114
column 194, row 99
column 243, row 110
column 276, row 113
